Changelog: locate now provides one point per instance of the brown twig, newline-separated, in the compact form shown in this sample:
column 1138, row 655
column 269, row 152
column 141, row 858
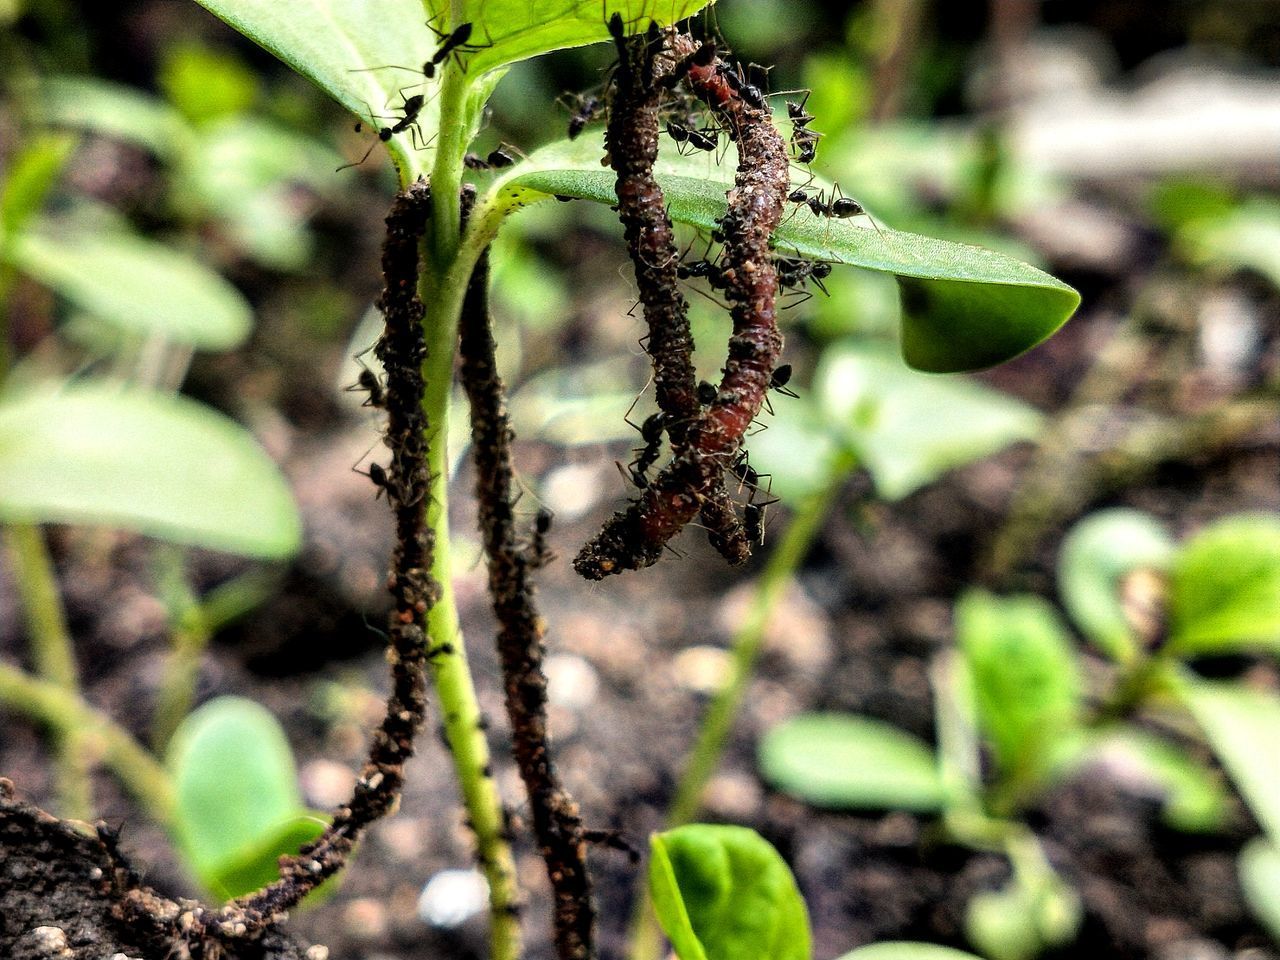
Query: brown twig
column 401, row 350
column 636, row 537
column 631, row 140
column 556, row 820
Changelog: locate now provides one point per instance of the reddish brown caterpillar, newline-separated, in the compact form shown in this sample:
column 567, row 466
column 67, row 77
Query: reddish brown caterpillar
column 693, row 481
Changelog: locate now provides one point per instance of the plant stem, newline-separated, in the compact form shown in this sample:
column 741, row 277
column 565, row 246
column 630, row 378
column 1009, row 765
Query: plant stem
column 66, row 713
column 717, row 724
column 54, row 659
column 448, row 265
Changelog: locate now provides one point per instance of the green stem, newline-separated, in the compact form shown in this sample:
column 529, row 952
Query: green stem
column 717, row 724
column 444, row 281
column 68, row 715
column 54, row 659
column 190, row 636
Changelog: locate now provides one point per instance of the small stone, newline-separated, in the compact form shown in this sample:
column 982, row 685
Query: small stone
column 452, row 897
column 50, row 941
column 325, row 783
column 317, row 952
column 365, row 918
column 572, row 682
column 702, row 669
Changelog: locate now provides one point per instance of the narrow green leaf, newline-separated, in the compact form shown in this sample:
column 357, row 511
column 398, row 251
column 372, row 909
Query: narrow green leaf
column 1225, row 587
column 31, row 175
column 909, row 428
column 1245, row 238
column 237, row 800
column 964, row 307
column 1026, row 679
column 850, row 762
column 1096, row 555
column 906, row 950
column 140, row 286
column 154, row 463
column 1259, row 869
column 1242, row 726
column 513, row 30
column 724, row 893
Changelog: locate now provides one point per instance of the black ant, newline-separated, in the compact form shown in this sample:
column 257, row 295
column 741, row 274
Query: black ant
column 412, row 107
column 746, row 474
column 456, row 44
column 779, row 380
column 368, row 382
column 538, row 553
column 651, row 433
column 497, row 159
column 707, row 393
column 747, row 91
column 698, row 139
column 708, row 269
column 584, row 109
column 377, row 474
column 793, row 273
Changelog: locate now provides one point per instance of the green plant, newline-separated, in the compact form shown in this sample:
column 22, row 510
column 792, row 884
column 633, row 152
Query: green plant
column 963, row 308
column 1015, row 690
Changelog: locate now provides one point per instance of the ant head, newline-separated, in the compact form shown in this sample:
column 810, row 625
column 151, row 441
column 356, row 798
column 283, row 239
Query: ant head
column 821, row 269
column 781, row 375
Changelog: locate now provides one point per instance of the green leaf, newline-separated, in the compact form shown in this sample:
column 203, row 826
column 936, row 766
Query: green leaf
column 32, row 173
column 906, row 950
column 1259, row 869
column 724, row 893
column 116, row 111
column 237, row 801
column 964, row 307
column 1225, row 587
column 909, row 428
column 1248, row 238
column 849, row 762
column 205, row 83
column 154, row 463
column 333, row 43
column 514, row 30
column 142, row 287
column 1242, row 726
column 1025, row 918
column 1195, row 798
column 1096, row 555
column 1026, row 680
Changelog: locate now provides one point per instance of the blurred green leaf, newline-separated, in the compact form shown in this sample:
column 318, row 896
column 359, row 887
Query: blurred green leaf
column 724, row 893
column 1246, row 238
column 247, row 172
column 906, row 950
column 204, row 83
column 1242, row 726
column 1195, row 797
column 158, row 464
column 1096, row 555
column 32, row 173
column 964, row 307
column 849, row 762
column 909, row 428
column 1022, row 920
column 799, row 451
column 1225, row 587
column 115, row 111
column 514, row 30
column 1259, row 869
column 144, row 287
column 1180, row 201
column 1026, row 680
column 237, row 802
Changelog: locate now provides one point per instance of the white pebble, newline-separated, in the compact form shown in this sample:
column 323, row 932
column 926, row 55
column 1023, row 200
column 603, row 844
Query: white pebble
column 452, row 897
